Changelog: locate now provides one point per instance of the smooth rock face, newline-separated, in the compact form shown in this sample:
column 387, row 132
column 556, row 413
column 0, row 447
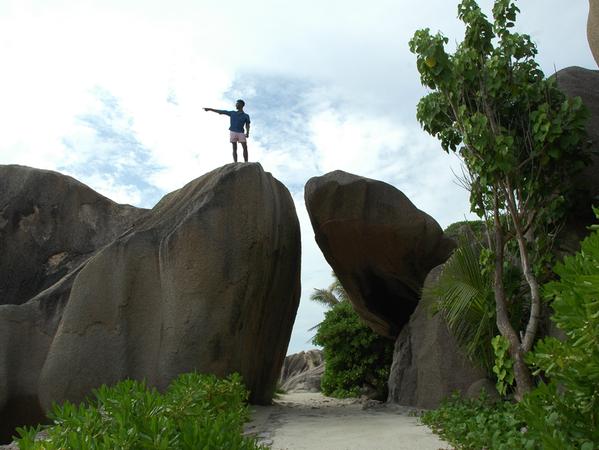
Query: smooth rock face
column 208, row 280
column 50, row 224
column 584, row 83
column 593, row 28
column 302, row 372
column 378, row 243
column 308, row 381
column 427, row 364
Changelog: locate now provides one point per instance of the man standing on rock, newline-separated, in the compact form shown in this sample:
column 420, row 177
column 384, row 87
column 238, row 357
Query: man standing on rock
column 238, row 120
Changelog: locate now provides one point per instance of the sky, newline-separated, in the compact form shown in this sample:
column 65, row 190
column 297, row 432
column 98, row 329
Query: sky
column 111, row 92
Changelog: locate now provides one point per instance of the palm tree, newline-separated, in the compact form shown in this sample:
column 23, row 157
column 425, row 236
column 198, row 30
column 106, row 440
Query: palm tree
column 331, row 296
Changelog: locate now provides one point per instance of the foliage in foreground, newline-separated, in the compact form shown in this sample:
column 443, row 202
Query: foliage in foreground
column 197, row 411
column 479, row 424
column 355, row 356
column 566, row 411
column 476, row 424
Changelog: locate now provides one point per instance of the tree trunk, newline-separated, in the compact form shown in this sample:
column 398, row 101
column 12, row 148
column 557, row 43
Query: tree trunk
column 535, row 295
column 522, row 375
column 521, row 372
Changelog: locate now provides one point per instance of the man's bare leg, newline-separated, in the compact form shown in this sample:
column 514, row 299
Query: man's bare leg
column 245, row 151
column 234, row 151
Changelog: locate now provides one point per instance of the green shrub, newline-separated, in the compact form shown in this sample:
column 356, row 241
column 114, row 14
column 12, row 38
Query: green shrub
column 565, row 413
column 355, row 356
column 504, row 366
column 196, row 412
column 476, row 424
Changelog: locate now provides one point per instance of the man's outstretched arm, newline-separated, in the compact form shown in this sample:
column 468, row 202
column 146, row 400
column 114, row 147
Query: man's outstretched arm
column 218, row 111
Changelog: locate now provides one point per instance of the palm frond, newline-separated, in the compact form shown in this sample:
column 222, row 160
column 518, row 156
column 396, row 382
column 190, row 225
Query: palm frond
column 464, row 297
column 339, row 291
column 324, row 297
column 330, row 297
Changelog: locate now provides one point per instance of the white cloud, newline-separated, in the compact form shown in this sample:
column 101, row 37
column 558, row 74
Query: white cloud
column 354, row 143
column 111, row 188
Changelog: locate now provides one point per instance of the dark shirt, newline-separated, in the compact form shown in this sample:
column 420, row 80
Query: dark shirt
column 238, row 119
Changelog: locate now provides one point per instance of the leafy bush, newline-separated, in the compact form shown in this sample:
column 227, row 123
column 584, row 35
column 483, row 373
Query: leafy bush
column 565, row 413
column 476, row 424
column 355, row 356
column 197, row 411
column 504, row 366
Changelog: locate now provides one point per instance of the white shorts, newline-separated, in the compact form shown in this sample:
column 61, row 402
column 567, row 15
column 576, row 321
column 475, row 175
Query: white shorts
column 237, row 137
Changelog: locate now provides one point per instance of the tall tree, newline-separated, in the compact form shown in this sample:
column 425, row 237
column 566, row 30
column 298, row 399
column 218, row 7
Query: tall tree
column 520, row 140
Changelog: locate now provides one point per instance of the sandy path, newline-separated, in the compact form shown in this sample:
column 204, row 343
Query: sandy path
column 311, row 421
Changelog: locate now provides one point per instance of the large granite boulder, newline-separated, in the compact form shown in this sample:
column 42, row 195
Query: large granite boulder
column 427, row 363
column 50, row 224
column 593, row 28
column 379, row 244
column 302, row 372
column 307, row 381
column 208, row 280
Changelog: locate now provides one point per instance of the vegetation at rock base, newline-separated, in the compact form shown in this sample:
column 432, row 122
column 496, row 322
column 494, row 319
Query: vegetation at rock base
column 356, row 358
column 521, row 141
column 504, row 366
column 196, row 411
column 564, row 412
column 478, row 423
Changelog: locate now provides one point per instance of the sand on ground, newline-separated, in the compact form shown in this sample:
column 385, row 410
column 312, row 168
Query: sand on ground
column 312, row 421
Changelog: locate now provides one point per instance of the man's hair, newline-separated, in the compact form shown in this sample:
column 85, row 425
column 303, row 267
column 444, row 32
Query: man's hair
column 241, row 101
